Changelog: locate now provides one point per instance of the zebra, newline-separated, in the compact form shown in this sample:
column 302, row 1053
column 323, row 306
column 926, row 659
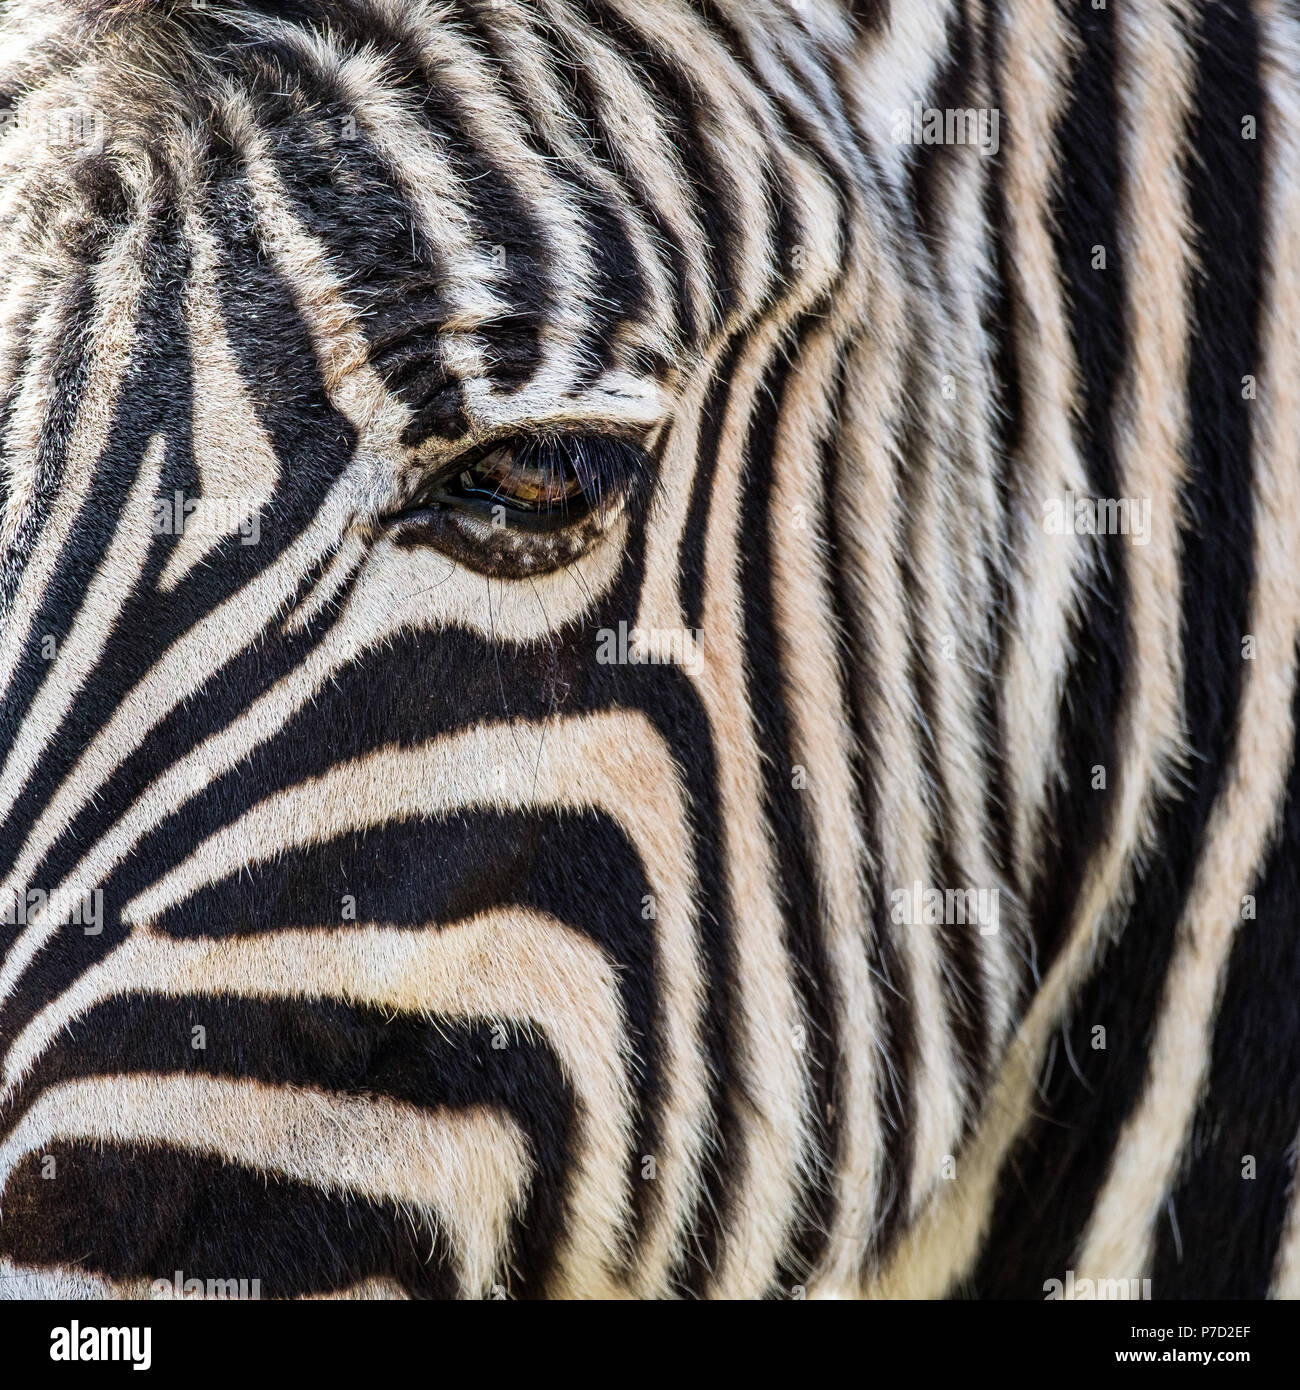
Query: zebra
column 647, row 648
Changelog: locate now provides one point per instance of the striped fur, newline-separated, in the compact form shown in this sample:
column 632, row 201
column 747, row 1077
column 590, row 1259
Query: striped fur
column 436, row 954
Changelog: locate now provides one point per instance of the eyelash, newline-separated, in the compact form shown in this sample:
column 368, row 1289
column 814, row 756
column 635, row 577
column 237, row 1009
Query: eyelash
column 535, row 476
column 543, row 481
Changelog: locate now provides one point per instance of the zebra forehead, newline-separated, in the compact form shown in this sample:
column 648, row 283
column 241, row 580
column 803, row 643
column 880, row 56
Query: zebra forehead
column 516, row 212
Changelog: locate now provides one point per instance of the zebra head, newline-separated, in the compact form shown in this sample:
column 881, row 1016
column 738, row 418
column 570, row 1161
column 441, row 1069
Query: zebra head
column 539, row 705
column 455, row 590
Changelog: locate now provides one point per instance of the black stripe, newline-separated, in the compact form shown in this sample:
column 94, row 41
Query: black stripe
column 1230, row 1217
column 793, row 829
column 221, row 699
column 1086, row 214
column 501, row 213
column 931, row 166
column 498, row 211
column 842, row 174
column 15, row 556
column 623, row 292
column 580, row 97
column 148, row 1212
column 1008, row 424
column 68, row 371
column 693, row 570
column 932, row 170
column 873, row 16
column 346, row 196
column 96, row 187
column 117, row 467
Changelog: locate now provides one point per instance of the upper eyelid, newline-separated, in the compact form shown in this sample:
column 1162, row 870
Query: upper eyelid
column 439, row 451
column 633, row 474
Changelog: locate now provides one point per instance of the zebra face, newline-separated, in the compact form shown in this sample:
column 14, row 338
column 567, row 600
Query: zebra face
column 546, row 724
column 601, row 600
column 393, row 413
column 563, row 688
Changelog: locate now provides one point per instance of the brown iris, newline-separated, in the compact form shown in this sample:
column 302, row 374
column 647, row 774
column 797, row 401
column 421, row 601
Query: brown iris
column 530, row 480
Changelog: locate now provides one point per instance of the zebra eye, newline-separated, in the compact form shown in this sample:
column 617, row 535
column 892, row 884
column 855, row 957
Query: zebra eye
column 520, row 505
